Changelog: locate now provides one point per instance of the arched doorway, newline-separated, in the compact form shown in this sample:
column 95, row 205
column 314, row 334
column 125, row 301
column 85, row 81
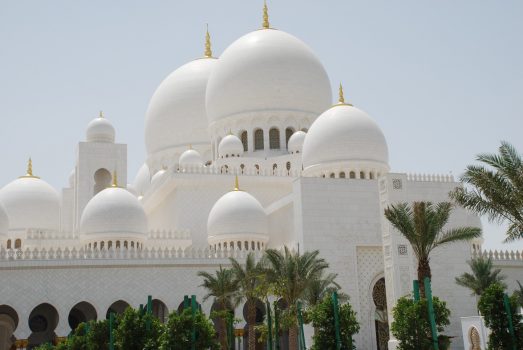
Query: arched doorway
column 42, row 323
column 260, row 314
column 118, row 307
column 102, row 180
column 8, row 324
column 81, row 312
column 160, row 310
column 381, row 322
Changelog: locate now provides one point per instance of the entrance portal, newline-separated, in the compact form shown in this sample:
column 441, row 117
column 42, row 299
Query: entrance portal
column 381, row 322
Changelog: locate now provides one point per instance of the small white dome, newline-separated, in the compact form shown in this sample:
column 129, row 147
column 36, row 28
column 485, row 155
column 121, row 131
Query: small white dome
column 113, row 213
column 100, row 130
column 4, row 222
column 176, row 115
column 344, row 133
column 142, row 181
column 237, row 215
column 158, row 175
column 31, row 203
column 267, row 70
column 296, row 142
column 189, row 158
column 230, row 146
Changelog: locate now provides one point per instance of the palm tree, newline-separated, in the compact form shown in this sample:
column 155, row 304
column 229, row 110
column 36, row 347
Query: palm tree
column 249, row 280
column 422, row 225
column 496, row 190
column 291, row 274
column 222, row 287
column 320, row 287
column 482, row 276
column 519, row 294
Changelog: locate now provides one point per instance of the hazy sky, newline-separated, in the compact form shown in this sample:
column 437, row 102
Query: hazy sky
column 444, row 79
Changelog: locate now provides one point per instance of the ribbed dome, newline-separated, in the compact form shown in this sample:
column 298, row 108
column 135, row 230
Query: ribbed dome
column 4, row 222
column 189, row 158
column 238, row 214
column 230, row 146
column 113, row 213
column 344, row 133
column 296, row 142
column 267, row 70
column 31, row 203
column 100, row 130
column 176, row 115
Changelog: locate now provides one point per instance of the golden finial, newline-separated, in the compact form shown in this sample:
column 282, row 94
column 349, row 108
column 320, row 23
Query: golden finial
column 236, row 184
column 190, row 146
column 101, row 114
column 164, row 167
column 208, row 51
column 115, row 179
column 341, row 98
column 29, row 172
column 265, row 16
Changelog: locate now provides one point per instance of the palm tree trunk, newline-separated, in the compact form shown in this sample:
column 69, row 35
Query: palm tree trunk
column 223, row 333
column 293, row 338
column 251, row 320
column 423, row 271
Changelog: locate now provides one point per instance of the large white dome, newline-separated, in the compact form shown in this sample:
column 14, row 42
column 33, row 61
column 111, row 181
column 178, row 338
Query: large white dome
column 4, row 222
column 267, row 70
column 176, row 115
column 341, row 134
column 100, row 130
column 113, row 213
column 31, row 203
column 237, row 215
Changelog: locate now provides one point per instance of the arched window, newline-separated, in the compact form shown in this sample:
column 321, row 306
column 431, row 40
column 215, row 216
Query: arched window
column 243, row 138
column 342, row 175
column 258, row 139
column 371, row 175
column 274, row 138
column 246, row 245
column 102, row 180
column 239, row 245
column 257, row 167
column 117, row 244
column 242, row 166
column 252, row 245
column 109, row 244
column 288, row 166
column 332, row 175
column 132, row 244
column 288, row 133
column 102, row 245
column 258, row 244
column 352, row 175
column 8, row 244
column 274, row 168
column 95, row 245
column 18, row 243
column 362, row 175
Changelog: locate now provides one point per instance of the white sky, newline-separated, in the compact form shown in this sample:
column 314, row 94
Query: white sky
column 444, row 79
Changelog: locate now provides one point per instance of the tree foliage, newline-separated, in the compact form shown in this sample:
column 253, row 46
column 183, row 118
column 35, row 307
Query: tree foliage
column 495, row 189
column 322, row 317
column 492, row 308
column 482, row 276
column 179, row 329
column 411, row 325
column 132, row 334
column 422, row 224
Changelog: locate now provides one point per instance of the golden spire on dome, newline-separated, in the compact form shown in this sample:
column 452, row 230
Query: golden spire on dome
column 101, row 114
column 115, row 179
column 236, row 184
column 208, row 51
column 341, row 98
column 265, row 24
column 29, row 171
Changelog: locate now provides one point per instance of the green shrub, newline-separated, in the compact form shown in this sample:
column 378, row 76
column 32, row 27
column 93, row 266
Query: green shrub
column 411, row 325
column 177, row 335
column 492, row 308
column 131, row 332
column 322, row 317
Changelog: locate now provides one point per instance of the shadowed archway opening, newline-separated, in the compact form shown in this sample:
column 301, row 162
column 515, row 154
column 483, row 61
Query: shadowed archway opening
column 260, row 315
column 381, row 322
column 160, row 310
column 118, row 307
column 81, row 312
column 42, row 323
